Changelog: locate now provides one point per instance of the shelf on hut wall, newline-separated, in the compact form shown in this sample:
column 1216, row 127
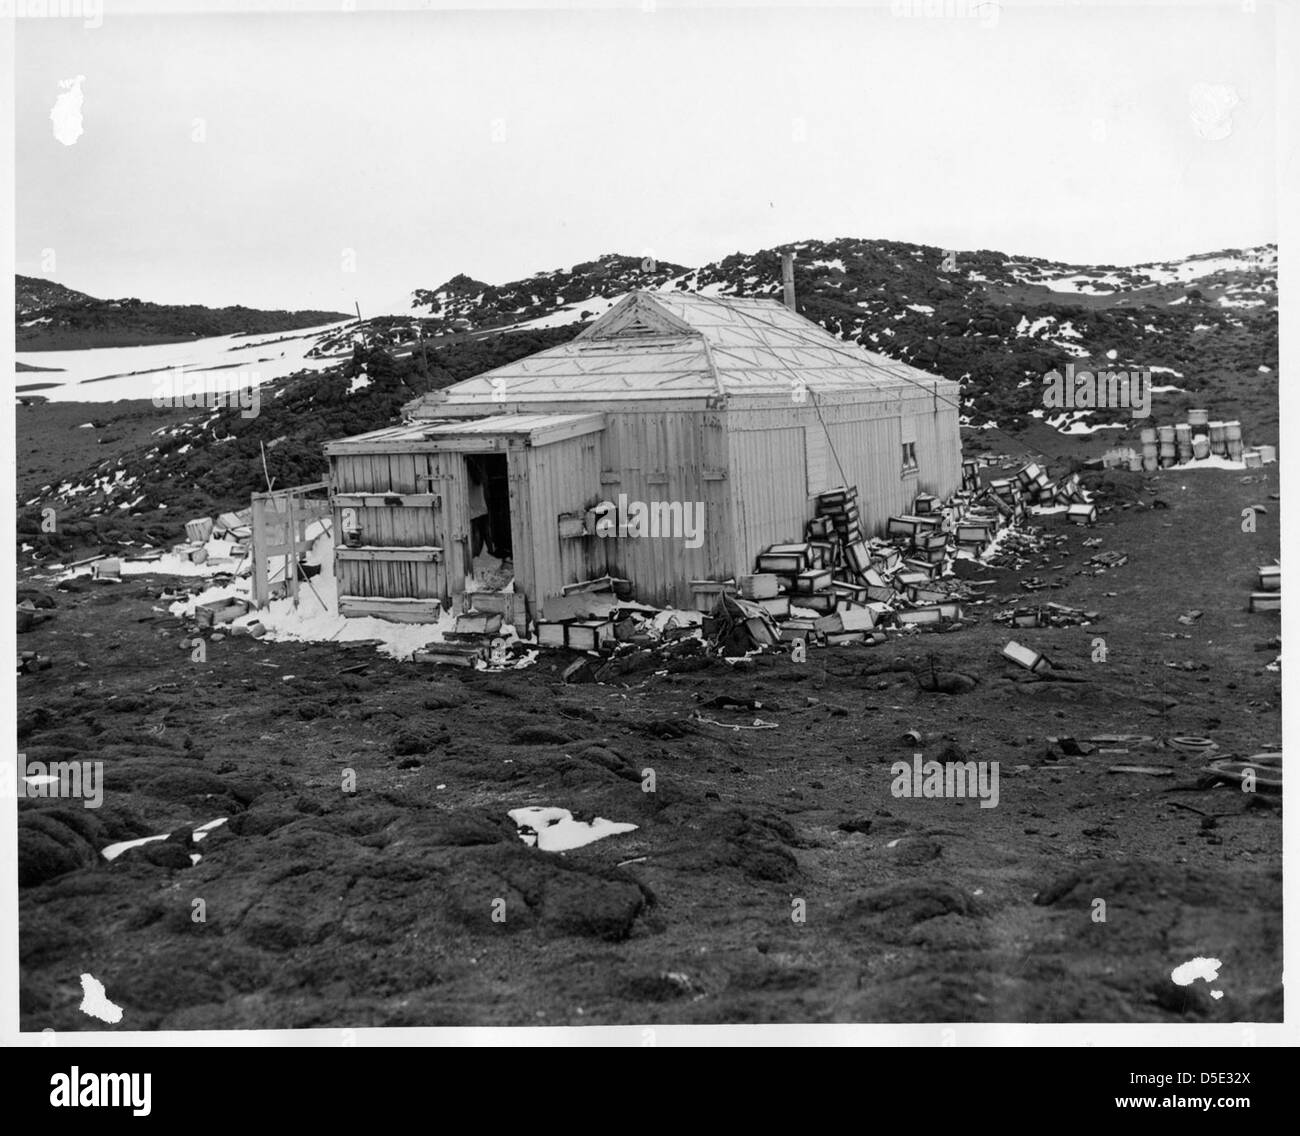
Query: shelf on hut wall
column 388, row 500
column 424, row 555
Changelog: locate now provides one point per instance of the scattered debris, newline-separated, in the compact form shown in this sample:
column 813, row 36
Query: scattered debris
column 1024, row 656
column 1192, row 744
column 1071, row 747
column 30, row 616
column 451, row 654
column 1103, row 561
column 756, row 724
column 1264, row 769
column 1047, row 615
column 1143, row 770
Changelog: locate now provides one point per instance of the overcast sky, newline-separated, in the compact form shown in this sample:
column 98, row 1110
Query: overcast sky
column 505, row 143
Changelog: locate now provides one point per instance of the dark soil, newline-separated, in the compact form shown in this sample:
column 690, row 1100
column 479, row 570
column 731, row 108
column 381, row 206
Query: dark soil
column 411, row 901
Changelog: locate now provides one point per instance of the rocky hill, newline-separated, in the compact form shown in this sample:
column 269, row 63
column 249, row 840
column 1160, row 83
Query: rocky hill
column 51, row 317
column 1205, row 326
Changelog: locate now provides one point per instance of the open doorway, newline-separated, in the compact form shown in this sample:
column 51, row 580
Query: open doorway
column 491, row 549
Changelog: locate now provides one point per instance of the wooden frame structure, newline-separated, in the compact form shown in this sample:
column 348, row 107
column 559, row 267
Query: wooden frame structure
column 280, row 520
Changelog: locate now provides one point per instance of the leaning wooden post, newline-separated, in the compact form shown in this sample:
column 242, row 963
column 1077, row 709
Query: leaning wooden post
column 260, row 586
column 291, row 565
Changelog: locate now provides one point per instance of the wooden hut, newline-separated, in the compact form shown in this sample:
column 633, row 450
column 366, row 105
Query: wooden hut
column 735, row 412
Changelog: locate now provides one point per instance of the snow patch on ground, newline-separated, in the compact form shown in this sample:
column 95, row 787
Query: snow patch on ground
column 555, row 830
column 1214, row 461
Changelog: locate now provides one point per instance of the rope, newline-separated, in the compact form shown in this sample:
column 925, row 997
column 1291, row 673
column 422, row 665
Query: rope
column 829, row 441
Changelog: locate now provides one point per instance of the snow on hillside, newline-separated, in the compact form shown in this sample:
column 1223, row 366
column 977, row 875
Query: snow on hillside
column 105, row 374
column 1081, row 281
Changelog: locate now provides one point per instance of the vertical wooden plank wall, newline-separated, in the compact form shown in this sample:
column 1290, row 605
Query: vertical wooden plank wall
column 677, row 455
column 562, row 477
column 396, row 526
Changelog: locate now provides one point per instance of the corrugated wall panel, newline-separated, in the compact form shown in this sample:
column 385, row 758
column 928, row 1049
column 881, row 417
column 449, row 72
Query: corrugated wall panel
column 770, row 468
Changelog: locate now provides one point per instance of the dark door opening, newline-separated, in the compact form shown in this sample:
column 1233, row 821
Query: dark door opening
column 489, row 513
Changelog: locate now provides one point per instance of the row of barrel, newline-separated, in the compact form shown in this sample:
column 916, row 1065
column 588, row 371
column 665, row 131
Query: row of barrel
column 1198, row 438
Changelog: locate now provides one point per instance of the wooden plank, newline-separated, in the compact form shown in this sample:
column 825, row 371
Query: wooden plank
column 388, row 500
column 400, row 611
column 450, row 654
column 291, row 559
column 475, row 444
column 521, row 520
column 297, row 489
column 587, row 424
column 348, row 448
column 426, row 555
column 261, row 587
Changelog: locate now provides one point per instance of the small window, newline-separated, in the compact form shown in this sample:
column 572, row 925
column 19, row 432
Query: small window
column 909, row 457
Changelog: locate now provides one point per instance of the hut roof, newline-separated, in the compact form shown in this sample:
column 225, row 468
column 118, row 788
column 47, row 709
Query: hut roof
column 684, row 345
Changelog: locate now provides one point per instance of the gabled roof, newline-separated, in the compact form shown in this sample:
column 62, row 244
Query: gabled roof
column 684, row 345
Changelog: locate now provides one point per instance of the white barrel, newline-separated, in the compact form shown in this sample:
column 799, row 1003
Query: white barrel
column 1148, row 436
column 1166, row 434
column 1198, row 417
column 1267, row 454
column 1232, row 431
column 1218, row 443
column 1252, row 459
column 1149, row 462
column 1235, row 450
column 1134, row 463
column 1200, row 447
column 1183, row 433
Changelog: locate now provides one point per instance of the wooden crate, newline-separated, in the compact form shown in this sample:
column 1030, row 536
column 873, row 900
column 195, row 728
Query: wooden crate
column 588, row 634
column 813, row 580
column 550, row 634
column 450, row 654
column 760, row 586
